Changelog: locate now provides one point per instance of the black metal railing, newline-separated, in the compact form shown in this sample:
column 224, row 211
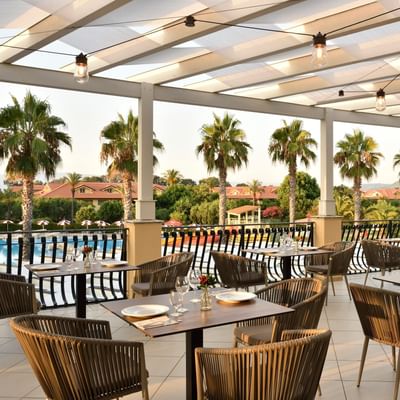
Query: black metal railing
column 53, row 247
column 371, row 230
column 234, row 239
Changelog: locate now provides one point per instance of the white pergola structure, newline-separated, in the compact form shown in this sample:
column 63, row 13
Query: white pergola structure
column 143, row 49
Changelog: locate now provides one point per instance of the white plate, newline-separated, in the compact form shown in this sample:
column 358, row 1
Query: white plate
column 144, row 310
column 113, row 263
column 45, row 267
column 309, row 248
column 235, row 297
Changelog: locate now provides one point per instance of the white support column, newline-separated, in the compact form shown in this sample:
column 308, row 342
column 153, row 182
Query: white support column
column 145, row 205
column 327, row 203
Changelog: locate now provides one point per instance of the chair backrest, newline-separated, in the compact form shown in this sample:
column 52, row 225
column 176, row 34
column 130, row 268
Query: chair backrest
column 305, row 295
column 339, row 261
column 379, row 313
column 76, row 358
column 147, row 268
column 334, row 247
column 276, row 371
column 17, row 297
column 236, row 271
column 381, row 255
column 163, row 279
column 373, row 252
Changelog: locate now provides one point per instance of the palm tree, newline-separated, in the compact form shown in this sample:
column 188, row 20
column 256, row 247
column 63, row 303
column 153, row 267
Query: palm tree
column 255, row 188
column 382, row 210
column 172, row 177
column 73, row 179
column 30, row 140
column 289, row 144
column 396, row 161
column 223, row 148
column 344, row 206
column 357, row 159
column 122, row 147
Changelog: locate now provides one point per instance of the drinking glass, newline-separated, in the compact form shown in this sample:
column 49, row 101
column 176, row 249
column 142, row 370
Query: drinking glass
column 70, row 259
column 175, row 298
column 194, row 283
column 182, row 287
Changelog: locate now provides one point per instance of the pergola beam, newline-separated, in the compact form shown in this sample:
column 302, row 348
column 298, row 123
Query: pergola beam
column 62, row 80
column 56, row 26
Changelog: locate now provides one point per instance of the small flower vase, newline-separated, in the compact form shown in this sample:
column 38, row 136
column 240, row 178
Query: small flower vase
column 296, row 245
column 86, row 261
column 205, row 299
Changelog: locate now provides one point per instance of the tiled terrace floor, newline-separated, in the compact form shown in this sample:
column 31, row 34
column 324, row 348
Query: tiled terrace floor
column 165, row 356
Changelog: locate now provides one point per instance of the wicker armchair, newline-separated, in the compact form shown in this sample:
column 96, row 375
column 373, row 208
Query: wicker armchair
column 305, row 295
column 334, row 264
column 239, row 272
column 17, row 297
column 75, row 359
column 159, row 276
column 379, row 313
column 380, row 255
column 288, row 370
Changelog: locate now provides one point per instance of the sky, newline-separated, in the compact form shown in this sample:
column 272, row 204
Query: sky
column 178, row 128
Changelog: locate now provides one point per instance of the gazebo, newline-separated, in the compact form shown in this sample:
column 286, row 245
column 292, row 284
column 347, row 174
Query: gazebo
column 244, row 215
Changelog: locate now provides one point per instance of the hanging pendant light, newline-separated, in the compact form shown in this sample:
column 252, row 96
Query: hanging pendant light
column 380, row 104
column 319, row 54
column 81, row 74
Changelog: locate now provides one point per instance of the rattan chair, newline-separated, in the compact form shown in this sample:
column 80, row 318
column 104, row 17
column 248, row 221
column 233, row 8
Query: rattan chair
column 239, row 272
column 288, row 370
column 17, row 297
column 159, row 276
column 380, row 255
column 379, row 313
column 305, row 295
column 76, row 359
column 334, row 264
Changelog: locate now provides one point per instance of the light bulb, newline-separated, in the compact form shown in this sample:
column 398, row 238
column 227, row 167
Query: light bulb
column 319, row 54
column 380, row 104
column 81, row 74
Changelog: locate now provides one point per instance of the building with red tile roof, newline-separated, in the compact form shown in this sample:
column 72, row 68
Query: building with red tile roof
column 243, row 192
column 392, row 193
column 94, row 192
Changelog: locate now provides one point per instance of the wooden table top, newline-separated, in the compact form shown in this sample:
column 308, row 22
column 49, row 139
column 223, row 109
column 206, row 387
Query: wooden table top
column 292, row 252
column 391, row 277
column 221, row 313
column 63, row 269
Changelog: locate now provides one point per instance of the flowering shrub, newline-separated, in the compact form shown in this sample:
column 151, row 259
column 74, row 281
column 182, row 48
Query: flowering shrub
column 86, row 250
column 272, row 212
column 207, row 280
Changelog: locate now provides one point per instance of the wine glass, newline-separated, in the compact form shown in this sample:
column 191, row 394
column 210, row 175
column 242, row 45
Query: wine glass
column 194, row 283
column 182, row 287
column 175, row 298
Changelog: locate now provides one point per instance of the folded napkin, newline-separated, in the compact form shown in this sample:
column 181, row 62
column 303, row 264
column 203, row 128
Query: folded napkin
column 45, row 267
column 112, row 263
column 155, row 322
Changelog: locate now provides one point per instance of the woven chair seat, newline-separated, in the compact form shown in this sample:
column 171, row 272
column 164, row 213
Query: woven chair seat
column 320, row 269
column 305, row 295
column 253, row 335
column 288, row 370
column 159, row 276
column 17, row 297
column 76, row 358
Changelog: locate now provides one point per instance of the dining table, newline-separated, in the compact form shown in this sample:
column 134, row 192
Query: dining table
column 391, row 277
column 225, row 310
column 79, row 271
column 287, row 255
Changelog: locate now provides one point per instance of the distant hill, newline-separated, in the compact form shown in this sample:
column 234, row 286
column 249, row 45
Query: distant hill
column 369, row 186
